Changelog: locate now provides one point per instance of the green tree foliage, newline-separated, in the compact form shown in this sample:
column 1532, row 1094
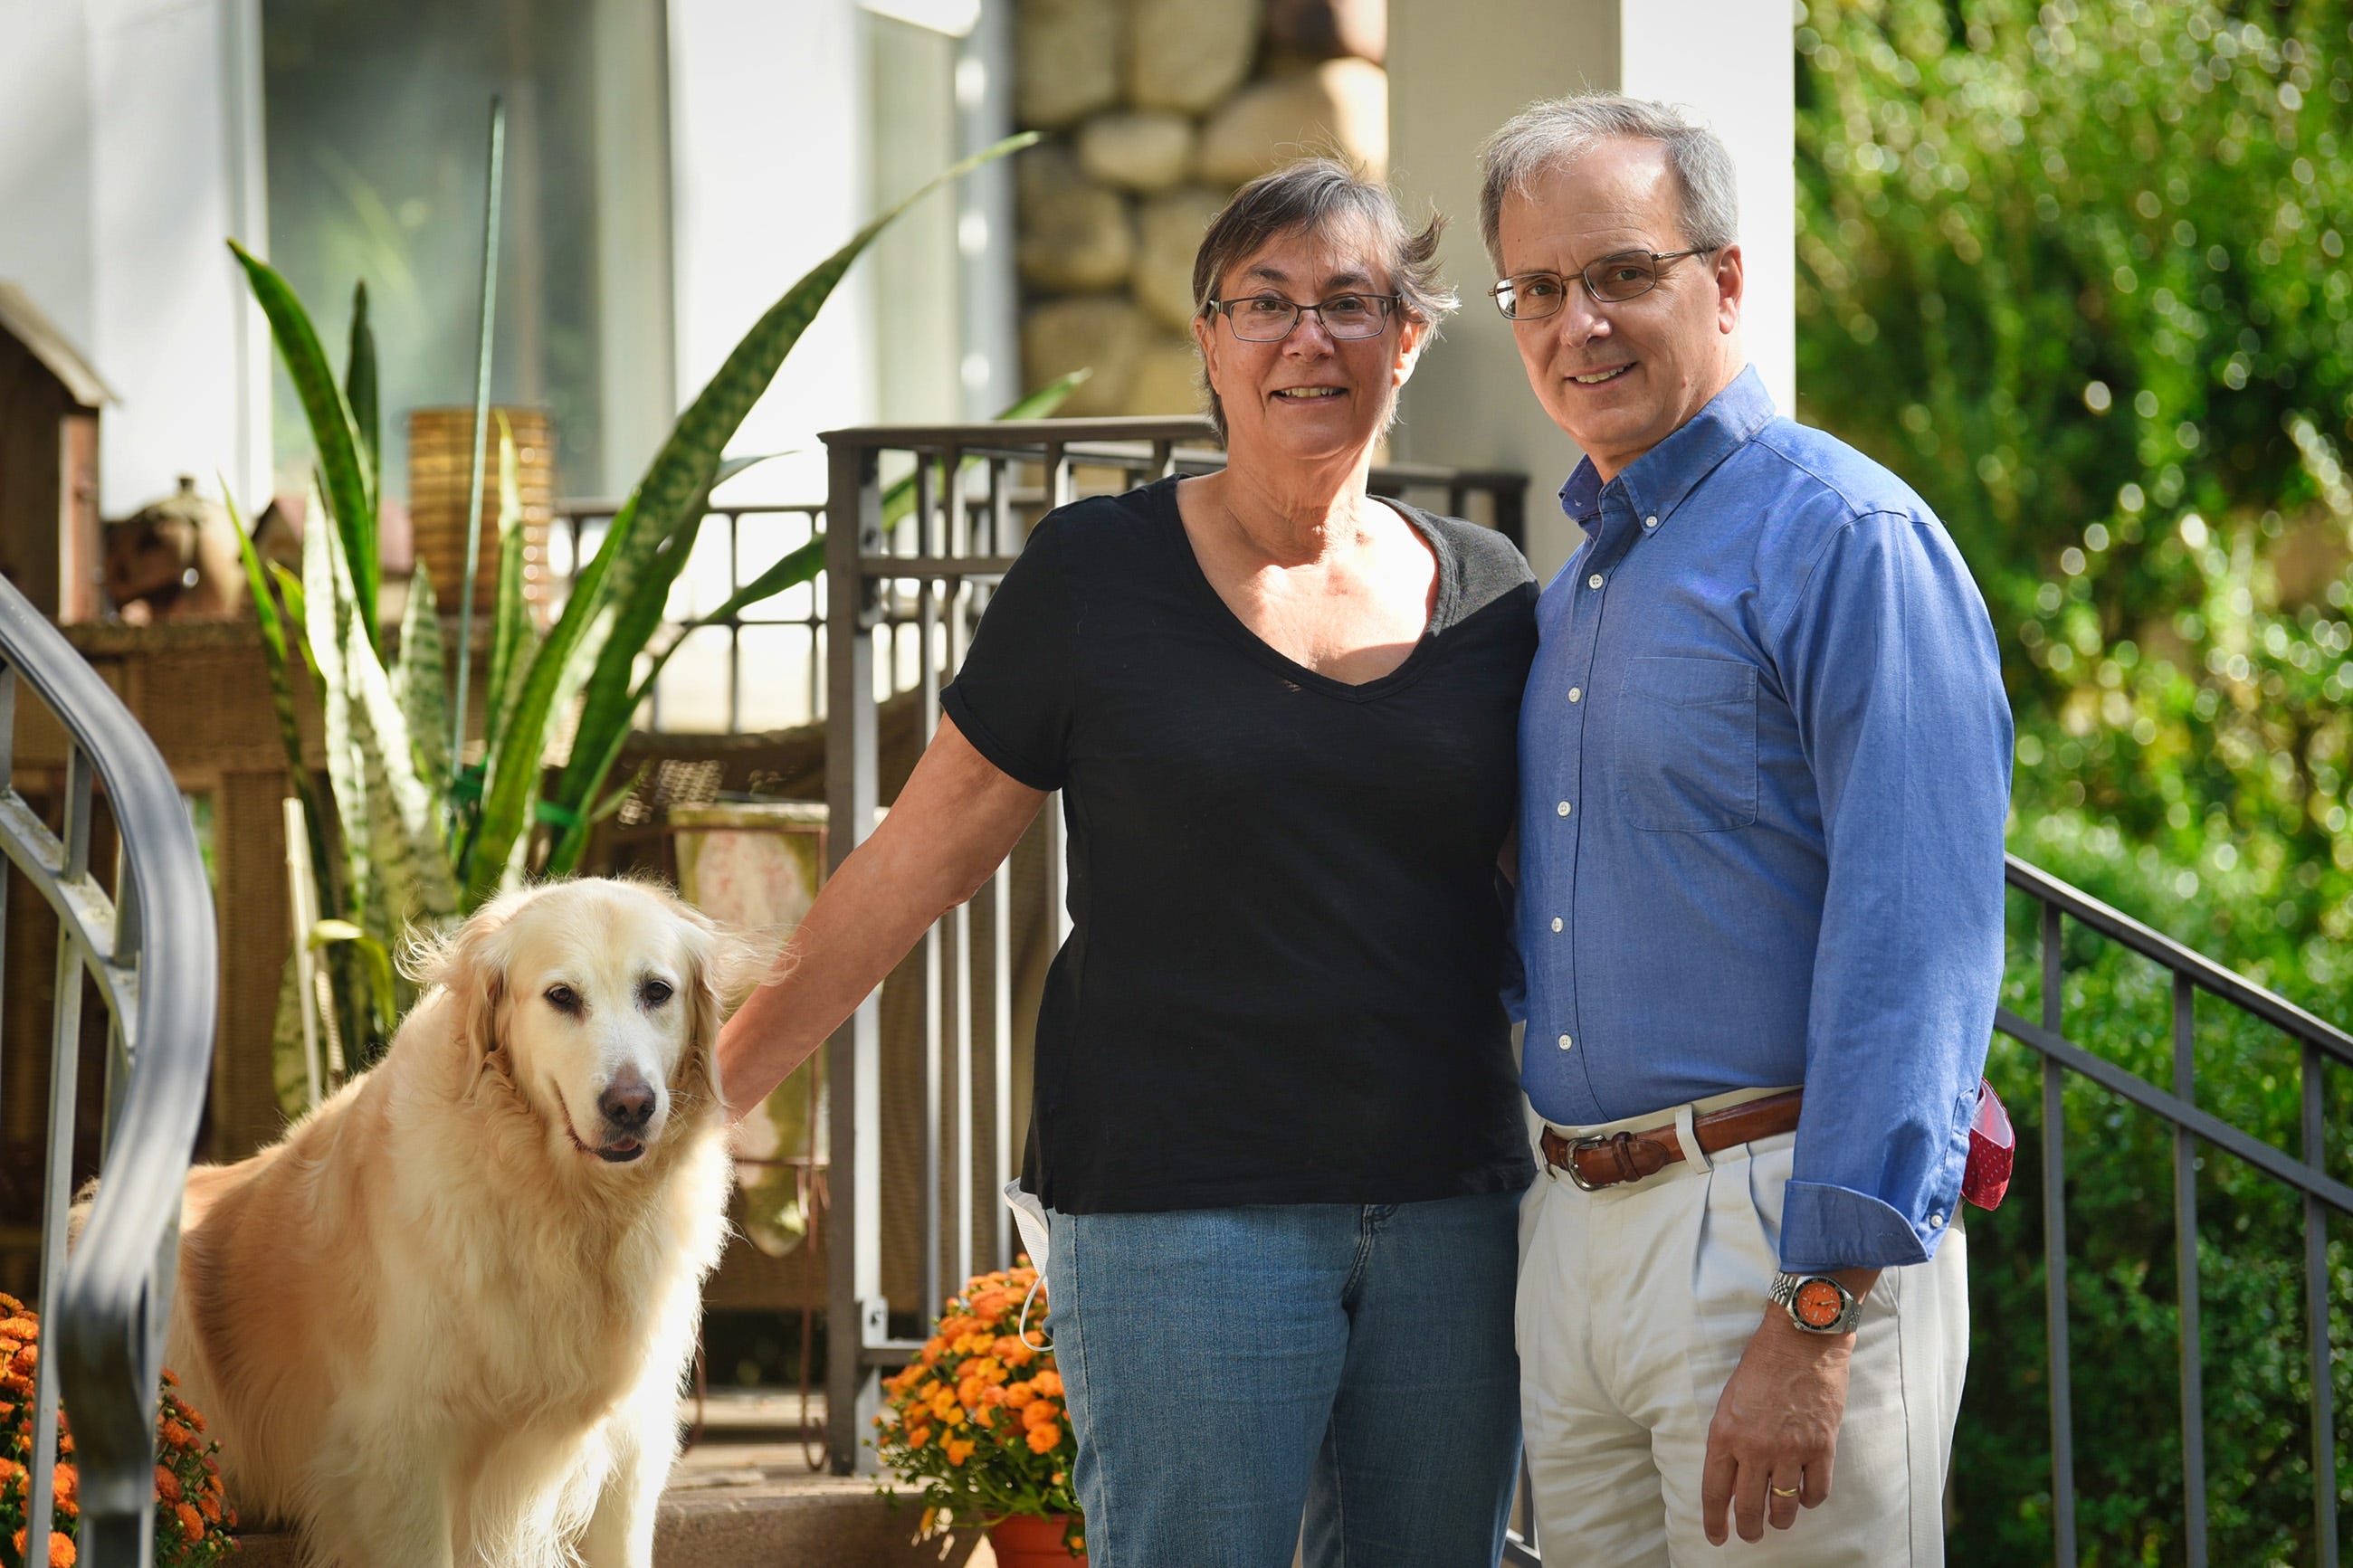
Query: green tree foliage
column 2076, row 271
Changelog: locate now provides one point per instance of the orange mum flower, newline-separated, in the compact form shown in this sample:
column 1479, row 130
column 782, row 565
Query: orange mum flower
column 1048, row 1382
column 210, row 1508
column 959, row 1450
column 1040, row 1414
column 192, row 1523
column 1045, row 1439
column 167, row 1485
column 1018, row 1395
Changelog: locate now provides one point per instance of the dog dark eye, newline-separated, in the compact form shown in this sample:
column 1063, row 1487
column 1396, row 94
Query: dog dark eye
column 564, row 999
column 654, row 993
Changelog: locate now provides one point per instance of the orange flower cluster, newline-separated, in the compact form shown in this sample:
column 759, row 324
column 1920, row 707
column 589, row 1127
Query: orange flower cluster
column 978, row 1421
column 192, row 1516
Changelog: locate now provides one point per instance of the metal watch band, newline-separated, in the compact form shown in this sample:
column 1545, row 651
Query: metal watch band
column 1809, row 1300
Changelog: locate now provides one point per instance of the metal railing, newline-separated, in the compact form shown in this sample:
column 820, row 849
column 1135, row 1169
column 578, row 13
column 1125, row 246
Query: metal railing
column 148, row 944
column 915, row 592
column 2320, row 1044
column 784, row 637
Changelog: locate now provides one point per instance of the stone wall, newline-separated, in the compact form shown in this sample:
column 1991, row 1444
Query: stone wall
column 1156, row 110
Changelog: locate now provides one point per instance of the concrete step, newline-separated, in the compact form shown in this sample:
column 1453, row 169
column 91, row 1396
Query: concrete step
column 736, row 1504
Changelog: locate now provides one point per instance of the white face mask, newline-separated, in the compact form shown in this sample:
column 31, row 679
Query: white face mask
column 1029, row 1219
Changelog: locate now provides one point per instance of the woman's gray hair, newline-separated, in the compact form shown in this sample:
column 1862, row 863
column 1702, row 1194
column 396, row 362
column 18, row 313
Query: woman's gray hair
column 1308, row 197
column 1561, row 129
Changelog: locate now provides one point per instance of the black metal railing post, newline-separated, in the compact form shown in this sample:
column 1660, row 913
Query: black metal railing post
column 2054, row 1253
column 2321, row 1043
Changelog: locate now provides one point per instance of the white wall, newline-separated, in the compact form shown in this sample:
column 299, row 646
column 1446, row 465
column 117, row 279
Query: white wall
column 171, row 302
column 1734, row 62
column 769, row 175
column 122, row 168
column 46, row 227
column 1458, row 68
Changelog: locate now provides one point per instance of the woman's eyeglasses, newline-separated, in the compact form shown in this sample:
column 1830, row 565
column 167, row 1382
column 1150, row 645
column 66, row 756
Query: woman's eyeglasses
column 1271, row 318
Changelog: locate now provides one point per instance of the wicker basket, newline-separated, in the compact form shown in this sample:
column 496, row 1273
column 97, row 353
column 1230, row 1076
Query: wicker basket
column 441, row 470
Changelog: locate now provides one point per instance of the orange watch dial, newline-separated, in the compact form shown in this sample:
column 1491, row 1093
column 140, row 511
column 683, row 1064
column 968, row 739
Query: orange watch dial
column 1819, row 1303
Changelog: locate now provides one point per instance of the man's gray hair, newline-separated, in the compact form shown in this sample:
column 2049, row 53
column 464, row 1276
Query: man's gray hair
column 1308, row 197
column 1562, row 129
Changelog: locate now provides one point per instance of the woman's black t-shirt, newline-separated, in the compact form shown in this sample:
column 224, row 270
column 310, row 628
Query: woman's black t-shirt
column 1281, row 983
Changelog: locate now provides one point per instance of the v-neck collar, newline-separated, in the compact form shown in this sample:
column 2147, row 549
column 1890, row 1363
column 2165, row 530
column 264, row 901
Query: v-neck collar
column 1221, row 615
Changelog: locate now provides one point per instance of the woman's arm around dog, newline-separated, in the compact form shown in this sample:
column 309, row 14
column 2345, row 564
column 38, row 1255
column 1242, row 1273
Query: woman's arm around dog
column 953, row 825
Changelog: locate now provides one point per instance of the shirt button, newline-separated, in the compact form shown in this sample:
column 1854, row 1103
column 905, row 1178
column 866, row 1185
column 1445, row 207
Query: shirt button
column 1565, row 1042
column 1650, row 523
column 1594, row 581
column 1936, row 1222
column 1556, row 922
column 1562, row 809
column 1577, row 694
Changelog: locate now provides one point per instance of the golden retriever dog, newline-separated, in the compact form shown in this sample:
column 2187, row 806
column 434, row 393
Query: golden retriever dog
column 443, row 1322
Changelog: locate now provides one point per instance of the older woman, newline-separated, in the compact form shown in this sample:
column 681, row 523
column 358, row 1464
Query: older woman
column 1275, row 1127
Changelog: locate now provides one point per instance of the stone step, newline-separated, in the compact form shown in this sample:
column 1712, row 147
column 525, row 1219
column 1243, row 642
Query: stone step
column 753, row 1505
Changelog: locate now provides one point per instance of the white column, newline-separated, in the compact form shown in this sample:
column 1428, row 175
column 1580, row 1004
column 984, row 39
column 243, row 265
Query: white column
column 1735, row 63
column 45, row 134
column 1458, row 68
column 168, row 178
column 769, row 175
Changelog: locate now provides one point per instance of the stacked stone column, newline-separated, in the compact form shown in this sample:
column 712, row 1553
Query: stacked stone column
column 1156, row 110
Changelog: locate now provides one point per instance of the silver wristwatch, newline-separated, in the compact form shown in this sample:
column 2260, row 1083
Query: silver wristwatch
column 1817, row 1303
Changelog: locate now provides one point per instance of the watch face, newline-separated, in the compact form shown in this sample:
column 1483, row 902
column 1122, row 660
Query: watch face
column 1819, row 1303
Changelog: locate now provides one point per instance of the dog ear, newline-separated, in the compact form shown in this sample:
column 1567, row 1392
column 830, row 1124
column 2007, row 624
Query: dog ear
column 470, row 963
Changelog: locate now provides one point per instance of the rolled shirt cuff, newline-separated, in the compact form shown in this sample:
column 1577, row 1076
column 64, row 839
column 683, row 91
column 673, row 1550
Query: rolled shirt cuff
column 1825, row 1227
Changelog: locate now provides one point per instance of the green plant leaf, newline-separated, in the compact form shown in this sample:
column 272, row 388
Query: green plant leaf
column 346, row 783
column 334, row 430
column 675, row 484
column 797, row 566
column 418, row 681
column 359, row 389
column 511, row 626
column 373, row 954
column 281, row 701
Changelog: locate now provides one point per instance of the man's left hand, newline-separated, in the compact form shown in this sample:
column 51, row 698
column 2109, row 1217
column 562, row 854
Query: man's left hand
column 1777, row 1427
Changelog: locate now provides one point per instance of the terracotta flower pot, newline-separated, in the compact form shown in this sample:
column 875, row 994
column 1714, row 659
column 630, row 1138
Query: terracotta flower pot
column 1026, row 1540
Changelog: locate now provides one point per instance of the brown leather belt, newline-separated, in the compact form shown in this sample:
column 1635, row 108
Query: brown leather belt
column 1608, row 1159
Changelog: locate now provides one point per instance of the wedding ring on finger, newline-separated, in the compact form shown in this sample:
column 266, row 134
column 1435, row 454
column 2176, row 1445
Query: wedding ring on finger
column 1785, row 1491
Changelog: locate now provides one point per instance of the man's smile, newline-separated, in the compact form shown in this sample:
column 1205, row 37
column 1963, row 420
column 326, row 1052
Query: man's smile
column 1597, row 377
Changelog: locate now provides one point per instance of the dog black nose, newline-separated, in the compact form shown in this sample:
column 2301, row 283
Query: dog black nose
column 628, row 1105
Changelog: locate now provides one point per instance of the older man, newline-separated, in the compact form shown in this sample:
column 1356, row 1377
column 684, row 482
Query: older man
column 1764, row 763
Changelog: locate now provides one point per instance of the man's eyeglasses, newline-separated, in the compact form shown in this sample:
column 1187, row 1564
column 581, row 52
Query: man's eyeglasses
column 1270, row 318
column 1613, row 280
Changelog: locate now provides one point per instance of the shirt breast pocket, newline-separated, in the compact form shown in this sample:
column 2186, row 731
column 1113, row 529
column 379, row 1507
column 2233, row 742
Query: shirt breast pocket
column 1687, row 745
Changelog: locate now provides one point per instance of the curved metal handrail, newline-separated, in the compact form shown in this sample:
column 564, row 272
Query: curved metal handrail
column 153, row 951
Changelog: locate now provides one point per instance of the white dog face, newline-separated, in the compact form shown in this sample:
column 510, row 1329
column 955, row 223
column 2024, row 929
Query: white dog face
column 603, row 997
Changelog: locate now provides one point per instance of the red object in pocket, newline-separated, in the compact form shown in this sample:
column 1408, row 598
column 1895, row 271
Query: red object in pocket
column 1993, row 1145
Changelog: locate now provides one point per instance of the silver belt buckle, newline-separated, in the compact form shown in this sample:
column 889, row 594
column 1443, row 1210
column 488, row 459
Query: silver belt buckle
column 1578, row 1146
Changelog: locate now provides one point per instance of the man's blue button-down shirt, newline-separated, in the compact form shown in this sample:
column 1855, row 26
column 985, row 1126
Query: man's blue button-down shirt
column 1764, row 768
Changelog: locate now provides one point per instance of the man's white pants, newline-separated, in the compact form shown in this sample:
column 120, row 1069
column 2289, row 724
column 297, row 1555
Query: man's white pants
column 1635, row 1304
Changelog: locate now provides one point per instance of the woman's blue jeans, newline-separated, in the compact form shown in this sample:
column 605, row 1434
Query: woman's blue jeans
column 1229, row 1371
